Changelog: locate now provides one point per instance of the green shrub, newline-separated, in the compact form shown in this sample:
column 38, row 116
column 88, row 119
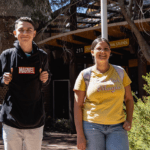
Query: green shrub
column 147, row 86
column 58, row 125
column 139, row 135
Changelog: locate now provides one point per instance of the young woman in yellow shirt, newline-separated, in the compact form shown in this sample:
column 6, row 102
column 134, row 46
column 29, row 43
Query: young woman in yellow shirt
column 98, row 109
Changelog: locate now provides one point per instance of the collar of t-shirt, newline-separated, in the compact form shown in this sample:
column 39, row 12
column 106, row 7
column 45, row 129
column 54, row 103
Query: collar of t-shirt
column 29, row 54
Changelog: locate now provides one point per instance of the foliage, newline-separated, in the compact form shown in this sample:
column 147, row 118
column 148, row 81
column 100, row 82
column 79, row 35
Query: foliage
column 139, row 135
column 147, row 86
column 57, row 125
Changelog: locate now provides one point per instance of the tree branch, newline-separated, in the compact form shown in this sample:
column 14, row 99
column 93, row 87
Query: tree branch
column 138, row 9
column 130, row 8
column 145, row 48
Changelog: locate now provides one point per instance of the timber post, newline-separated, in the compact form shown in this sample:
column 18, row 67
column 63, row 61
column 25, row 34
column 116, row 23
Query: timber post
column 142, row 64
column 72, row 76
column 72, row 67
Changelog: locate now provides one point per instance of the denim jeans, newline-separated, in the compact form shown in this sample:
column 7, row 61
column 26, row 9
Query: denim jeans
column 105, row 137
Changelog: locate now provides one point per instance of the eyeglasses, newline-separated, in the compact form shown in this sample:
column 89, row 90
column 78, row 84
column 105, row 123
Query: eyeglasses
column 104, row 49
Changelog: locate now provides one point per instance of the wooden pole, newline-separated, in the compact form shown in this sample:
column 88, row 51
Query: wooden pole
column 72, row 67
column 72, row 74
column 142, row 64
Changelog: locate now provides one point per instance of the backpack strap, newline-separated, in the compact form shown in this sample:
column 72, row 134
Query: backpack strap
column 87, row 75
column 41, row 59
column 11, row 58
column 120, row 71
column 13, row 55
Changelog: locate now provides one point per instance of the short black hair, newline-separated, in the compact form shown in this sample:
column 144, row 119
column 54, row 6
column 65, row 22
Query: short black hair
column 97, row 40
column 24, row 19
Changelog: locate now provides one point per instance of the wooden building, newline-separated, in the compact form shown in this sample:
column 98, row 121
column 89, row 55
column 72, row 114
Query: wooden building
column 75, row 47
column 69, row 50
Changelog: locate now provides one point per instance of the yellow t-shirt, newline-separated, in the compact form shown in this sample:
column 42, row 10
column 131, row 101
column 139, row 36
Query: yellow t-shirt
column 104, row 96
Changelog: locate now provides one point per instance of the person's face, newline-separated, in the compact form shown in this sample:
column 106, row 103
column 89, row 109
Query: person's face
column 24, row 32
column 101, row 52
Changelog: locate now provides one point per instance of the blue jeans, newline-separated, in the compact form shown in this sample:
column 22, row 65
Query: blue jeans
column 105, row 137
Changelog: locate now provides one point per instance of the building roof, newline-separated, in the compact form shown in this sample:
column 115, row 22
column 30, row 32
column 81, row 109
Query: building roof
column 89, row 15
column 89, row 28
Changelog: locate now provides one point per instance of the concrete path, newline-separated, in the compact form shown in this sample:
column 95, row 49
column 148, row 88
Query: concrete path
column 55, row 141
column 59, row 141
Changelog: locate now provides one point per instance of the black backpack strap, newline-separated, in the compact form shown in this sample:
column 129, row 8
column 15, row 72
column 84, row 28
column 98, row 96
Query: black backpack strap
column 13, row 55
column 10, row 59
column 41, row 60
column 87, row 76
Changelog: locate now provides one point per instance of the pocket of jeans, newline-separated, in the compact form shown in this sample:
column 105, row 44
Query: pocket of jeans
column 117, row 127
column 122, row 130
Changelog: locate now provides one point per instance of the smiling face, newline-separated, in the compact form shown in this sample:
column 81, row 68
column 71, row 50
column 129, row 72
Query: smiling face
column 24, row 32
column 101, row 52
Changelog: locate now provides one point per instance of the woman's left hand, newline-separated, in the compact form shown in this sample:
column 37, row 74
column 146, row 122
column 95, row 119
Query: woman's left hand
column 127, row 125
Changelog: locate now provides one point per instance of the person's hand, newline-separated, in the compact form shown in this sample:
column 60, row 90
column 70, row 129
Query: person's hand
column 81, row 142
column 43, row 75
column 7, row 77
column 127, row 125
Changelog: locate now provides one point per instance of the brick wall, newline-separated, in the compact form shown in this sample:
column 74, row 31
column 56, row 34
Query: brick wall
column 6, row 41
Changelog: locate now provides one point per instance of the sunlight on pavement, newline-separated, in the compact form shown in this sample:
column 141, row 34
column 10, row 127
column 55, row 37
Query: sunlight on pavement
column 58, row 147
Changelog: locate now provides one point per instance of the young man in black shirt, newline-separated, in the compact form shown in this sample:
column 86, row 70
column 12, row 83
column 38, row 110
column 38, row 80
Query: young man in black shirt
column 24, row 69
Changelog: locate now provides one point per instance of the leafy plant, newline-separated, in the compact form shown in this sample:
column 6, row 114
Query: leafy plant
column 139, row 135
column 147, row 86
column 58, row 125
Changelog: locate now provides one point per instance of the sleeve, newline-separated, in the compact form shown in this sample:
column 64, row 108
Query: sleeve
column 45, row 67
column 3, row 67
column 126, row 79
column 1, row 74
column 79, row 83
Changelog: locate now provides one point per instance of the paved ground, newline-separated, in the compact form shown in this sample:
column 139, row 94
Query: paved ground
column 55, row 141
column 59, row 141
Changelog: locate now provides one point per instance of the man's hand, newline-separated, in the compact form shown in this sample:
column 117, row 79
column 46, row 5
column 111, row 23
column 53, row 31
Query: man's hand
column 43, row 75
column 7, row 77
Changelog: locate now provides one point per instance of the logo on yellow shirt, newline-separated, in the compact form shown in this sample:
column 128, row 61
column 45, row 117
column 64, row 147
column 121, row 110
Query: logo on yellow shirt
column 109, row 83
